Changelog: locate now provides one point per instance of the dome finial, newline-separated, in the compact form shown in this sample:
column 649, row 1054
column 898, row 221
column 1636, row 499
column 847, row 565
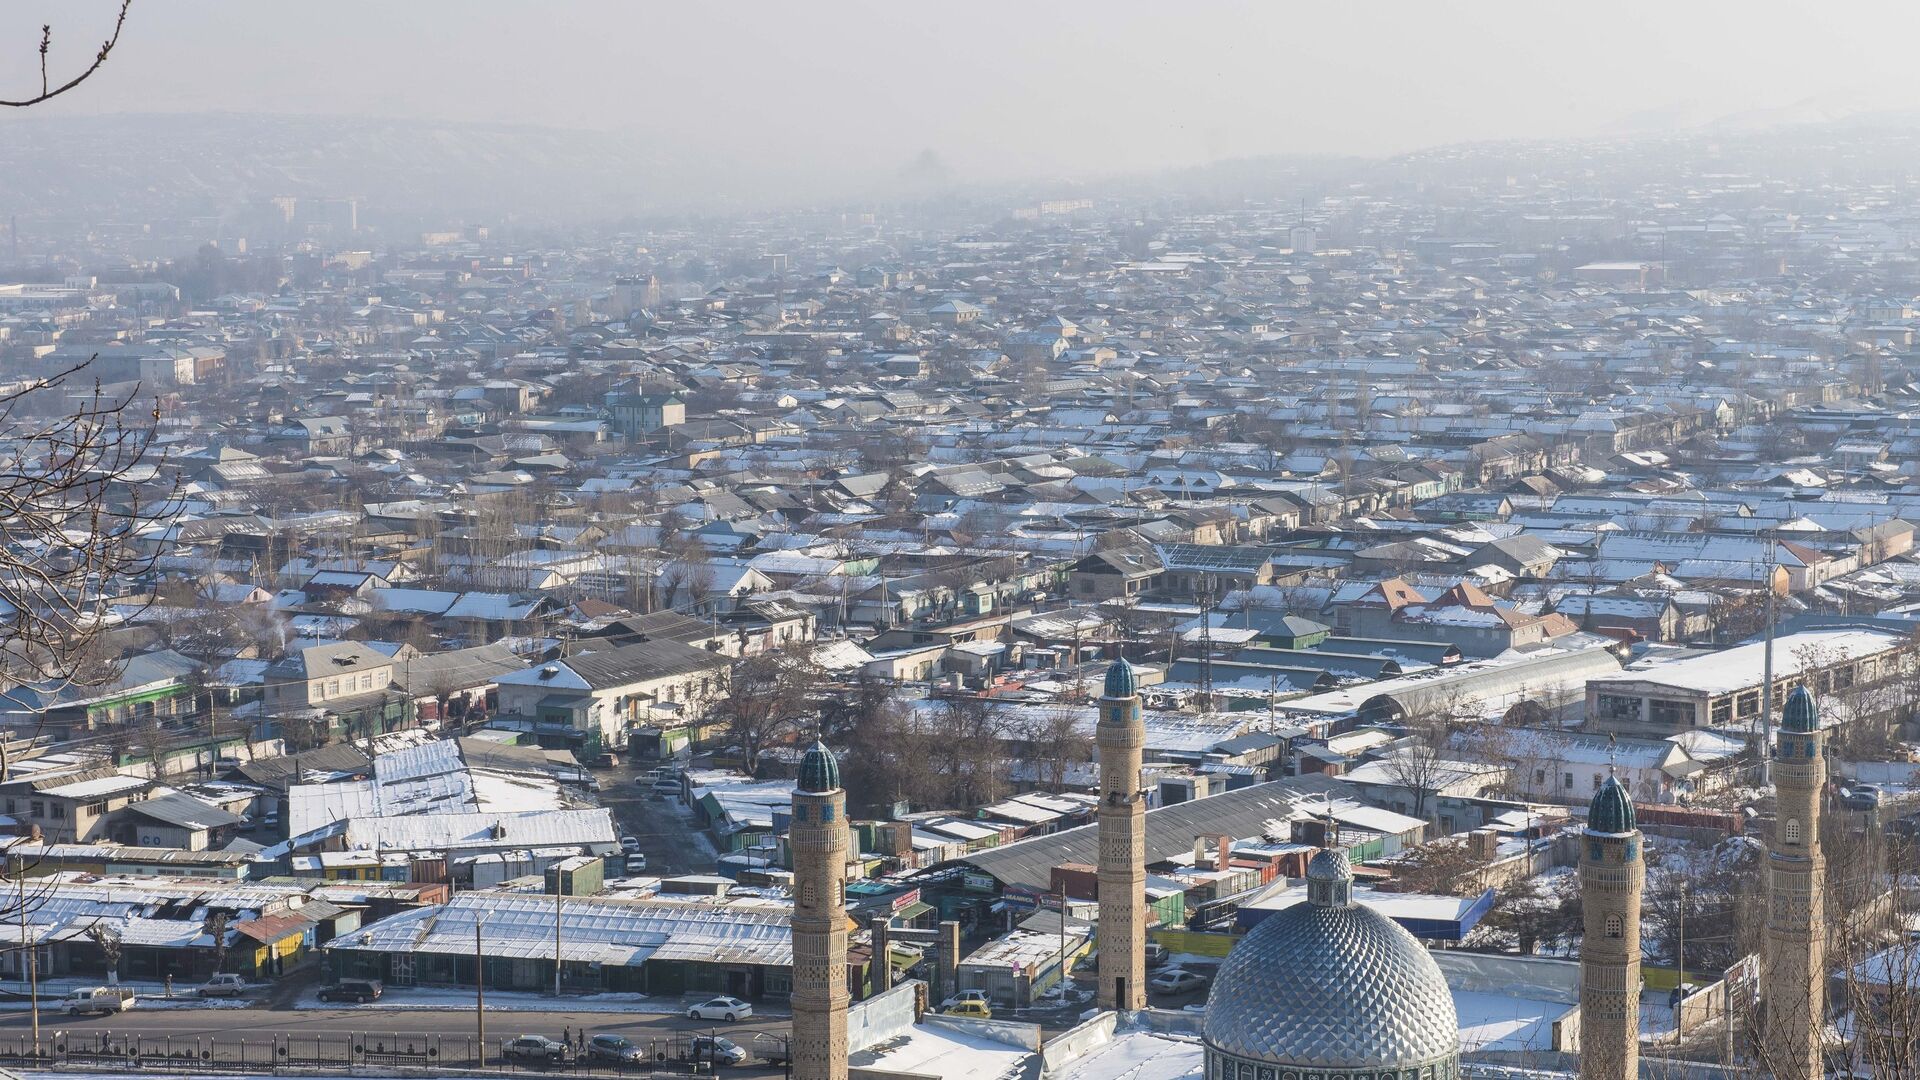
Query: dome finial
column 819, row 769
column 1120, row 680
column 1801, row 714
column 1330, row 878
column 1611, row 811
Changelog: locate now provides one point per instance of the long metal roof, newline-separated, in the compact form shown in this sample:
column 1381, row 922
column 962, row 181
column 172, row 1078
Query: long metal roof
column 1170, row 830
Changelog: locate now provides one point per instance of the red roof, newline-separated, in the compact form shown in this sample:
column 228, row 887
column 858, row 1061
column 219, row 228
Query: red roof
column 268, row 929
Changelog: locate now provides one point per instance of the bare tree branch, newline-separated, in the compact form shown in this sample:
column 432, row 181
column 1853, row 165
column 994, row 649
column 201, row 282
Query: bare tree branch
column 47, row 90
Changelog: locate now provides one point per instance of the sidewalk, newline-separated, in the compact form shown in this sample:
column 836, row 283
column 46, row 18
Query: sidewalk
column 452, row 997
column 148, row 995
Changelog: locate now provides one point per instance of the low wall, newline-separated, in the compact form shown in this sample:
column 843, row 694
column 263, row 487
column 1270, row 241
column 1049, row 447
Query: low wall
column 1003, row 1031
column 1541, row 977
column 1195, row 942
column 881, row 1017
column 1076, row 1042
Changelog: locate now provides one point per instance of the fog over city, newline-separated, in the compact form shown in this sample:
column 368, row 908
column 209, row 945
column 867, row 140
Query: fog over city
column 938, row 541
column 765, row 104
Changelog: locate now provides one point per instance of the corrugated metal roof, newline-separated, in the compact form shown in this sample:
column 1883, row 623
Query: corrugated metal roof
column 601, row 930
column 1170, row 830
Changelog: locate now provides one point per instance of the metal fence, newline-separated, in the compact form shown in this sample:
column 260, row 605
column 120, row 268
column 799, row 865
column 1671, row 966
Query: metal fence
column 663, row 1055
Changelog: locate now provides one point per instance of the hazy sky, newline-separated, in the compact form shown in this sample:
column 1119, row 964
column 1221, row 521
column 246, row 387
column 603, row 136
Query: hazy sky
column 997, row 88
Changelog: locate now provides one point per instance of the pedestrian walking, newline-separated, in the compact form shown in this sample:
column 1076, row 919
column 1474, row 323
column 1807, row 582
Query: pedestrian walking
column 566, row 1036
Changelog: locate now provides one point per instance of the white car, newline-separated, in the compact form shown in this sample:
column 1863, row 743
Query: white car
column 720, row 1008
column 629, row 844
column 224, row 985
column 964, row 997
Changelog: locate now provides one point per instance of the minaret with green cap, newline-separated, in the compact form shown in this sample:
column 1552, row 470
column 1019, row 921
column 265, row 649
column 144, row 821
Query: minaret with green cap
column 818, row 841
column 1121, row 735
column 1612, row 874
column 1794, row 989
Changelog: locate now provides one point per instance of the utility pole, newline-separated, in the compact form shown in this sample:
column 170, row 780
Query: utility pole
column 1206, row 643
column 33, row 957
column 1766, row 690
column 1066, row 968
column 479, row 989
column 1680, row 957
column 556, row 933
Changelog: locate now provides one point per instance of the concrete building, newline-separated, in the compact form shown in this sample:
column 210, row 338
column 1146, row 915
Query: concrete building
column 1121, row 734
column 1612, row 876
column 1656, row 698
column 819, row 841
column 1795, row 972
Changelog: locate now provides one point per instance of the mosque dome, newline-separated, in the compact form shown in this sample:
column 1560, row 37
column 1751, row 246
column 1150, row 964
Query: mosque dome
column 1331, row 987
column 1120, row 681
column 819, row 769
column 1799, row 714
column 1612, row 809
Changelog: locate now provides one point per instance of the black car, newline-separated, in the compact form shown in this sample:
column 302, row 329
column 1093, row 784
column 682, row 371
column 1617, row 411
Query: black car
column 358, row 991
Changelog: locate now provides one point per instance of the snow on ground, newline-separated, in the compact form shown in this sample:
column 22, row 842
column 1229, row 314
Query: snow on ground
column 451, row 997
column 1502, row 1022
column 1138, row 1055
column 148, row 995
column 1656, row 1018
column 952, row 1053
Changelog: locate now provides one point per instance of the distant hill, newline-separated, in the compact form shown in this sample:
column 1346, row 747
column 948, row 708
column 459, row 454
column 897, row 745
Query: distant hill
column 133, row 168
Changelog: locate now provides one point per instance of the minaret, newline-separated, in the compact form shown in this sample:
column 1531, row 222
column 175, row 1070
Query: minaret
column 1794, row 989
column 818, row 839
column 1121, row 735
column 1611, row 877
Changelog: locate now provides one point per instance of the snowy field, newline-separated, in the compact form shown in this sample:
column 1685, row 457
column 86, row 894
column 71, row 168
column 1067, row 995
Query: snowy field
column 1501, row 1022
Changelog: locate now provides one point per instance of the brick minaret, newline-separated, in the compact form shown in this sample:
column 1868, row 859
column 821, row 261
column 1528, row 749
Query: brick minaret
column 818, row 839
column 1611, row 878
column 1121, row 735
column 1796, row 918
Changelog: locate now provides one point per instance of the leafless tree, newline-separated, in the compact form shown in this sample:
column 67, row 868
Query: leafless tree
column 768, row 698
column 1445, row 866
column 71, row 516
column 1056, row 743
column 48, row 89
column 1420, row 766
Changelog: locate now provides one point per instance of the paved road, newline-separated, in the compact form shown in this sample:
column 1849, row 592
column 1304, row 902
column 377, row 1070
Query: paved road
column 326, row 1033
column 663, row 827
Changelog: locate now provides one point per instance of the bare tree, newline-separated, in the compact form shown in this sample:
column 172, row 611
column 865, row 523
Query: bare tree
column 47, row 89
column 1056, row 743
column 72, row 518
column 1420, row 765
column 768, row 697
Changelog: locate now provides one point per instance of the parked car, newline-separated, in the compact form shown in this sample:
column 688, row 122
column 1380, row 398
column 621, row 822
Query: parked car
column 615, row 1048
column 1156, row 954
column 1860, row 797
column 964, row 997
column 534, row 1048
column 720, row 1008
column 97, row 1000
column 976, row 1010
column 666, row 786
column 636, row 861
column 718, row 1051
column 224, row 985
column 771, row 1049
column 629, row 844
column 1179, row 981
column 606, row 761
column 358, row 991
